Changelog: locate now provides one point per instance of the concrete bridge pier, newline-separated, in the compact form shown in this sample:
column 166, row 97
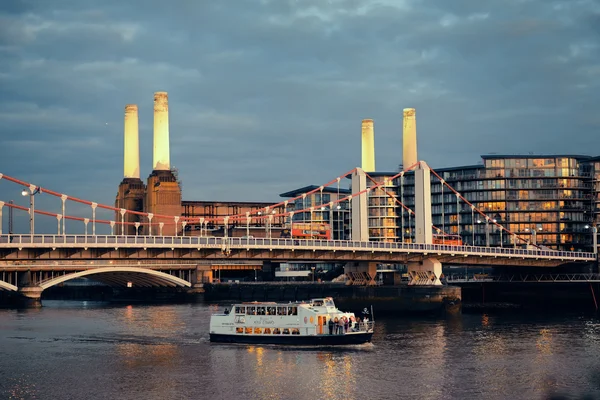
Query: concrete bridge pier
column 202, row 275
column 360, row 273
column 30, row 296
column 426, row 272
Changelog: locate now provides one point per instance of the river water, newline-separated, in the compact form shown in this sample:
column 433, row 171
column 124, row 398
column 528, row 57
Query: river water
column 84, row 350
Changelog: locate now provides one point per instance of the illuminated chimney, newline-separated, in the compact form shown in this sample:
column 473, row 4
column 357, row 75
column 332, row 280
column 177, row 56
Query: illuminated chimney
column 131, row 159
column 409, row 138
column 161, row 132
column 368, row 146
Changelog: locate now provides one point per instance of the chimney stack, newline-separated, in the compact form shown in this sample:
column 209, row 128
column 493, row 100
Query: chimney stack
column 131, row 156
column 368, row 146
column 409, row 138
column 161, row 160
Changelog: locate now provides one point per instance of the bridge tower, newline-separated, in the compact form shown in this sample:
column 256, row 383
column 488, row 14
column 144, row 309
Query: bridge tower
column 130, row 195
column 428, row 271
column 163, row 193
column 359, row 216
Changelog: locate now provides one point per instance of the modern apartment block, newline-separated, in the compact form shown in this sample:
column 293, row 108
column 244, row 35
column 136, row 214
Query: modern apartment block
column 552, row 201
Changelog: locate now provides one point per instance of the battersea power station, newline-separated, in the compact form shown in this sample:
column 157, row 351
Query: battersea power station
column 553, row 200
column 161, row 194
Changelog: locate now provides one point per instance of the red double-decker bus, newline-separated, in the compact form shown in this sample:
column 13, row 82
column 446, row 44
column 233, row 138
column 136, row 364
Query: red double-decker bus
column 306, row 230
column 450, row 240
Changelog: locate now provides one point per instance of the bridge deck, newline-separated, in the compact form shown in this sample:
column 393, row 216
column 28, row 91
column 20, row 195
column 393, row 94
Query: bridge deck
column 197, row 247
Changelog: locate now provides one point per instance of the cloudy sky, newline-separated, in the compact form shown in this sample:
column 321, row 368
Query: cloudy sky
column 268, row 95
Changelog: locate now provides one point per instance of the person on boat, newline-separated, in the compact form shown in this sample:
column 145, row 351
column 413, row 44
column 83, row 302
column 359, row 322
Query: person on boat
column 330, row 326
column 227, row 311
column 341, row 326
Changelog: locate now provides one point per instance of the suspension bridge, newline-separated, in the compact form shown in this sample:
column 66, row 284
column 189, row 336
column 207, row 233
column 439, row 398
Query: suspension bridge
column 30, row 263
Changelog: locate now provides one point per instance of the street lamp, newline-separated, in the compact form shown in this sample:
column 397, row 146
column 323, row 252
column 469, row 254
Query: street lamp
column 313, row 273
column 594, row 238
column 533, row 231
column 499, row 227
column 33, row 190
column 340, row 222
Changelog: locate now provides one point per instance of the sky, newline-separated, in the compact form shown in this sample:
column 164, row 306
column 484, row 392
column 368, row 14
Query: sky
column 267, row 96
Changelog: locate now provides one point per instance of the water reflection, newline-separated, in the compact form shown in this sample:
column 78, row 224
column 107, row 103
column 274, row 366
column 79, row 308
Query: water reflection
column 274, row 370
column 163, row 352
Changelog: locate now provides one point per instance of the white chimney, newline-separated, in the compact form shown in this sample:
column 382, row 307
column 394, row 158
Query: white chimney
column 409, row 138
column 131, row 156
column 161, row 132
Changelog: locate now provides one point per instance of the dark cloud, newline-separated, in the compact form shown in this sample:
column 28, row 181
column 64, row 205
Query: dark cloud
column 266, row 96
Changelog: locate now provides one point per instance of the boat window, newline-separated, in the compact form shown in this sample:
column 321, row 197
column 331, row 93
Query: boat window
column 295, row 331
column 329, row 302
column 293, row 311
column 260, row 311
column 248, row 330
column 239, row 329
column 267, row 331
column 251, row 310
column 240, row 310
column 281, row 310
column 286, row 331
column 276, row 331
column 271, row 311
column 318, row 303
column 257, row 330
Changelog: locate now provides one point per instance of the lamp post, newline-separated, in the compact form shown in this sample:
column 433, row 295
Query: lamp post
column 594, row 238
column 499, row 227
column 340, row 222
column 487, row 231
column 33, row 190
column 259, row 221
column 248, row 223
column 313, row 273
column 472, row 225
column 271, row 223
column 533, row 231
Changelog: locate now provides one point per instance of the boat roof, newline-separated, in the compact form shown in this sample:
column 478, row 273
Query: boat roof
column 296, row 303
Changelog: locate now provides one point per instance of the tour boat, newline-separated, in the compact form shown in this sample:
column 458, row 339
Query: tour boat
column 315, row 322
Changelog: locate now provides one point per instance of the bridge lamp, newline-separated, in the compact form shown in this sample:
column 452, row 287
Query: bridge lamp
column 33, row 190
column 500, row 229
column 478, row 222
column 340, row 220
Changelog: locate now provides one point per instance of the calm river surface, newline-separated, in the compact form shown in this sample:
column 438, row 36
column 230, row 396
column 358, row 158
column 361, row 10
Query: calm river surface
column 84, row 350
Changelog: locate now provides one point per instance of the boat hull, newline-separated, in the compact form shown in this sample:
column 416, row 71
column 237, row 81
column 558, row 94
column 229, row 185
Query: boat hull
column 316, row 340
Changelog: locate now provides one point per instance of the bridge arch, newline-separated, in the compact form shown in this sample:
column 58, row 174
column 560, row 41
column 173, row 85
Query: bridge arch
column 8, row 286
column 140, row 277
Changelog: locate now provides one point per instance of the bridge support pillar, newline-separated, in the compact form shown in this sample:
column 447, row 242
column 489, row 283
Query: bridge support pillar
column 203, row 275
column 426, row 272
column 30, row 296
column 360, row 273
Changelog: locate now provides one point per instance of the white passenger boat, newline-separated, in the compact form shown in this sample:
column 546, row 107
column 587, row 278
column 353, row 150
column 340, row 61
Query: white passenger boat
column 317, row 322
